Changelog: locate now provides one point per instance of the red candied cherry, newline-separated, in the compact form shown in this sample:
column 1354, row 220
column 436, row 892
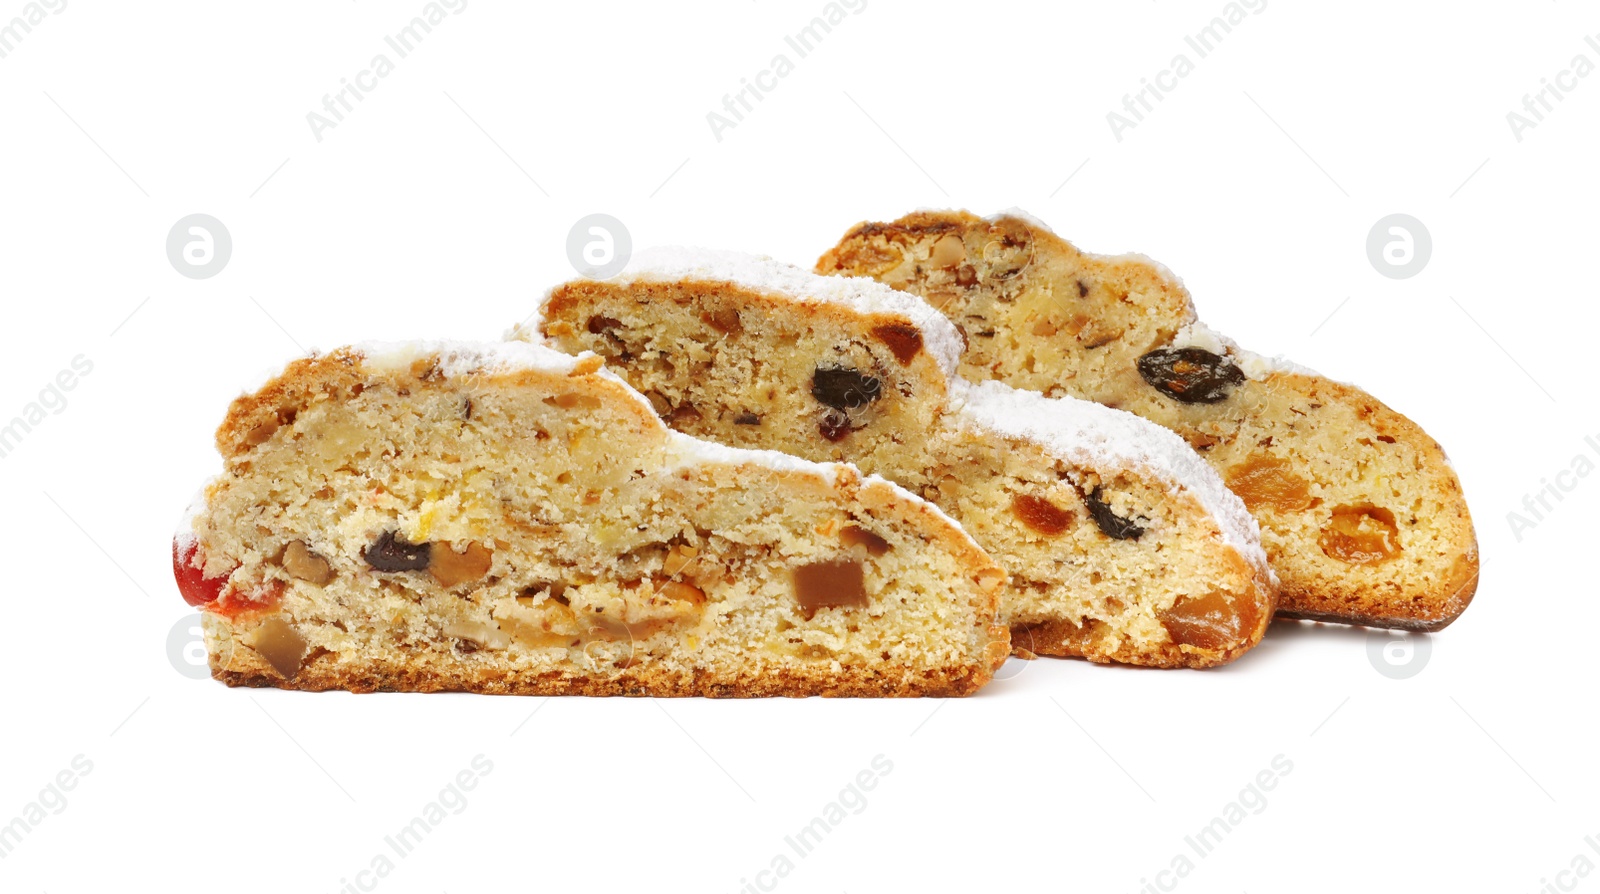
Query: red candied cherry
column 197, row 589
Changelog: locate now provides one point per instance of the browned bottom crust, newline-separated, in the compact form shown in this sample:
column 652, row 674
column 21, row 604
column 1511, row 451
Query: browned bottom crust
column 846, row 683
column 1454, row 606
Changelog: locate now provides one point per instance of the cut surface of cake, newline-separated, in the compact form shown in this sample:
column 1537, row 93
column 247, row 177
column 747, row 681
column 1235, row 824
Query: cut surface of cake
column 1120, row 544
column 1361, row 514
column 504, row 518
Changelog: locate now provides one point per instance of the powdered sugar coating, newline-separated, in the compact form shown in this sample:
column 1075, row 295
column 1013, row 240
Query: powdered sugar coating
column 686, row 450
column 1255, row 366
column 184, row 537
column 762, row 273
column 458, row 358
column 1099, row 437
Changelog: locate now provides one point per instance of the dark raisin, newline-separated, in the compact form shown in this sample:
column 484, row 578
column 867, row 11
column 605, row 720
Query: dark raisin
column 597, row 325
column 391, row 552
column 747, row 419
column 466, row 646
column 834, row 425
column 966, row 276
column 1083, row 289
column 1113, row 525
column 1190, row 375
column 466, row 408
column 843, row 388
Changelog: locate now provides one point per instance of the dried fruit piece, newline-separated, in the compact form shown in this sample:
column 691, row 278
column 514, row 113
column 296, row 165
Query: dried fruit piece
column 1009, row 249
column 1361, row 535
column 725, row 321
column 573, row 400
column 843, row 388
column 303, row 564
column 262, row 433
column 855, row 535
column 1268, row 482
column 1190, row 375
column 451, row 568
column 598, row 325
column 480, row 635
column 678, row 591
column 947, row 252
column 836, row 583
column 391, row 552
column 747, row 419
column 1040, row 514
column 279, row 643
column 904, row 340
column 193, row 585
column 1113, row 525
column 659, row 403
column 679, row 557
column 835, row 424
column 683, row 413
column 1212, row 621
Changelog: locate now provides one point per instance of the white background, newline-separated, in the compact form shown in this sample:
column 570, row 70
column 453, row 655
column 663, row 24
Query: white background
column 440, row 207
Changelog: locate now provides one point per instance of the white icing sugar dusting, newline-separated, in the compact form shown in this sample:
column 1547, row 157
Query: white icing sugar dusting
column 763, row 273
column 686, row 450
column 458, row 358
column 1255, row 366
column 1099, row 437
column 184, row 536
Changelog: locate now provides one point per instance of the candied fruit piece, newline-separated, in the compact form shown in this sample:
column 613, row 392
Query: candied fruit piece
column 1268, row 482
column 193, row 585
column 834, row 583
column 1040, row 514
column 855, row 535
column 279, row 643
column 904, row 340
column 1361, row 535
column 1213, row 621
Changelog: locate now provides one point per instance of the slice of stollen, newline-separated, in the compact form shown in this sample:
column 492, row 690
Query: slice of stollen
column 504, row 518
column 1120, row 544
column 1362, row 516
